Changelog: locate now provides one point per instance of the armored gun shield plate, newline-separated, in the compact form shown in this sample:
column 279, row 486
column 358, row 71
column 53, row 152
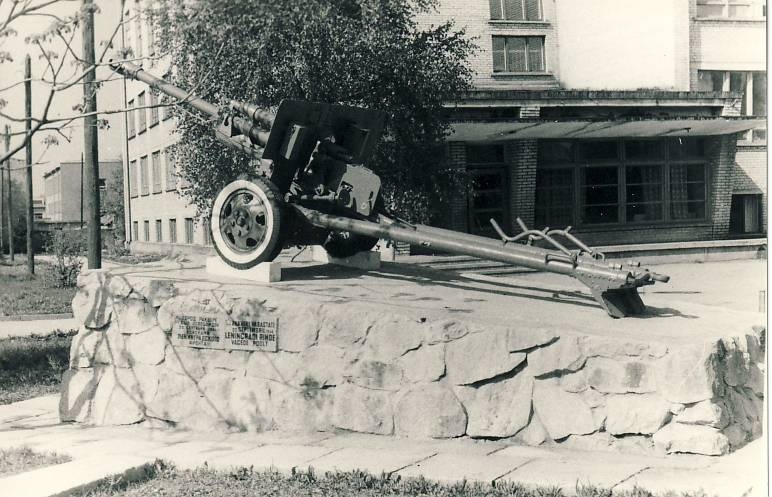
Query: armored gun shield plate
column 246, row 223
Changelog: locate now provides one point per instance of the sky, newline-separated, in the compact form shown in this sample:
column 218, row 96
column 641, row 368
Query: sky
column 110, row 95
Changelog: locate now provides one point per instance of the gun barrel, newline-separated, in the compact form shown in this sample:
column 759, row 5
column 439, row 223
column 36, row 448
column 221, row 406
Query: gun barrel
column 134, row 71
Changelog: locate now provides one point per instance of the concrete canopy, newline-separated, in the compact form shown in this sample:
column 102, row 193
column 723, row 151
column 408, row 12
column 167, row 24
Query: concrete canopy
column 587, row 129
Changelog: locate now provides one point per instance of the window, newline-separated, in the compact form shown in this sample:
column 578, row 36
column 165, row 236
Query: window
column 133, row 178
column 173, row 230
column 620, row 182
column 171, row 176
column 135, row 230
column 156, row 165
column 153, row 109
column 143, row 174
column 130, row 131
column 159, row 237
column 141, row 113
column 488, row 188
column 150, row 39
column 146, row 230
column 518, row 54
column 733, row 9
column 167, row 111
column 745, row 215
column 188, row 230
column 516, row 10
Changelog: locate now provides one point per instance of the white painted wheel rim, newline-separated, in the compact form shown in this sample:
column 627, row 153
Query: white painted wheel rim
column 242, row 243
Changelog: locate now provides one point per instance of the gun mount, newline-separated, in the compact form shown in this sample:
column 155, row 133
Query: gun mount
column 318, row 191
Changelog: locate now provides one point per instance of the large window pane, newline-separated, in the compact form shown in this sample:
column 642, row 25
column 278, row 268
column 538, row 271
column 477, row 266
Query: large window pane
column 499, row 54
column 686, row 148
column 535, row 54
column 495, row 9
column 554, row 197
column 516, row 54
column 556, row 152
column 600, row 195
column 644, row 150
column 513, row 9
column 533, row 10
column 687, row 191
column 598, row 150
column 644, row 193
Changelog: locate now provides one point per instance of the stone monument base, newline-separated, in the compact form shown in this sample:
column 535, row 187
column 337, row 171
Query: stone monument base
column 411, row 353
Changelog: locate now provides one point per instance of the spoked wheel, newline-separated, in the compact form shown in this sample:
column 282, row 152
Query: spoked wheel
column 246, row 223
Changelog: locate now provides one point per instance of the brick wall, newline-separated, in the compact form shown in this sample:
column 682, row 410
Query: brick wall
column 457, row 218
column 721, row 156
column 521, row 157
column 750, row 175
column 475, row 17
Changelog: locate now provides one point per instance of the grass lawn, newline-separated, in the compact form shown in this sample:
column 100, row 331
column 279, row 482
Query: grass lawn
column 24, row 294
column 32, row 366
column 167, row 481
column 18, row 460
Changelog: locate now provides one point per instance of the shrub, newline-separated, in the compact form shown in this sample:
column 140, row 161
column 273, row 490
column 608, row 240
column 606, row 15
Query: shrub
column 67, row 247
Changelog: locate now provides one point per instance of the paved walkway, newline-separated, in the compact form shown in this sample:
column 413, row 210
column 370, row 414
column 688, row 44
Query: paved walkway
column 35, row 327
column 34, row 423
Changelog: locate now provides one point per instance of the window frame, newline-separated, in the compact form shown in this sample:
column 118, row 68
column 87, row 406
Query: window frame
column 172, row 230
column 502, row 4
column 726, row 8
column 153, row 103
column 155, row 166
column 146, row 229
column 141, row 113
column 190, row 231
column 133, row 185
column 144, row 177
column 664, row 161
column 170, row 170
column 159, row 235
column 507, row 39
column 131, row 130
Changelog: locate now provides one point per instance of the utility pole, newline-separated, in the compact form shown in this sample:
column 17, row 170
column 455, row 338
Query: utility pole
column 2, row 209
column 90, row 140
column 28, row 148
column 82, row 192
column 9, row 198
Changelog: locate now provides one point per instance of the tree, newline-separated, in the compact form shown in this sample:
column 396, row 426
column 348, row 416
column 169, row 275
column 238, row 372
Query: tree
column 112, row 205
column 369, row 53
column 19, row 216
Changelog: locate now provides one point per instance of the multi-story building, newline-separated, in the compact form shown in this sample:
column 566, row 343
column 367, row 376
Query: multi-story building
column 619, row 118
column 64, row 189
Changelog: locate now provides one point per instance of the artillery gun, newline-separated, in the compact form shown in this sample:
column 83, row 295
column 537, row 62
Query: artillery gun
column 317, row 190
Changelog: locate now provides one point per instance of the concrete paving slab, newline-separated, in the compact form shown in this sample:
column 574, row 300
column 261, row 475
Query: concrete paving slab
column 568, row 473
column 677, row 481
column 109, row 447
column 462, row 446
column 82, row 474
column 375, row 461
column 279, row 457
column 451, row 468
column 194, row 454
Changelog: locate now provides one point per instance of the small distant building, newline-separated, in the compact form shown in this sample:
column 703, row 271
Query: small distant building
column 38, row 209
column 64, row 189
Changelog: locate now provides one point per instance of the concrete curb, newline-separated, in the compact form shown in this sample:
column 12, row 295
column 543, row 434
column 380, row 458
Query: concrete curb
column 37, row 317
column 79, row 475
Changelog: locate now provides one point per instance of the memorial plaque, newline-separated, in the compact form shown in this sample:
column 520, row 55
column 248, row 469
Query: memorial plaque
column 216, row 330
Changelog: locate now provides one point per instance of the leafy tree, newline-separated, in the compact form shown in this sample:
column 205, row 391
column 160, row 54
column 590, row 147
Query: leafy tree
column 19, row 219
column 369, row 53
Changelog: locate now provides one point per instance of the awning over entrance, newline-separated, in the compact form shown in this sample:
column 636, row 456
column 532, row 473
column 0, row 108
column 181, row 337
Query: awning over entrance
column 579, row 129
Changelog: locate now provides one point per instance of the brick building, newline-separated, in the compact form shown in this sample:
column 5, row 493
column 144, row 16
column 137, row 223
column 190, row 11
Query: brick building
column 620, row 118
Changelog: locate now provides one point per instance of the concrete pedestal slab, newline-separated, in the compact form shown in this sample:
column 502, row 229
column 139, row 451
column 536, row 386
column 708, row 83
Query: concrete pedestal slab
column 266, row 272
column 450, row 468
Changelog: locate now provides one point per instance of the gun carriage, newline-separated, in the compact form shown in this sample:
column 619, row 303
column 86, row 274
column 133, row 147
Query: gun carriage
column 318, row 190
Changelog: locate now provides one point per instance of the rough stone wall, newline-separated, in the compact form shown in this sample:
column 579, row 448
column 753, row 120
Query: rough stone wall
column 350, row 367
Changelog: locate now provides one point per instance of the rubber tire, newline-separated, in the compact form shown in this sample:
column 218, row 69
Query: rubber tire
column 273, row 242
